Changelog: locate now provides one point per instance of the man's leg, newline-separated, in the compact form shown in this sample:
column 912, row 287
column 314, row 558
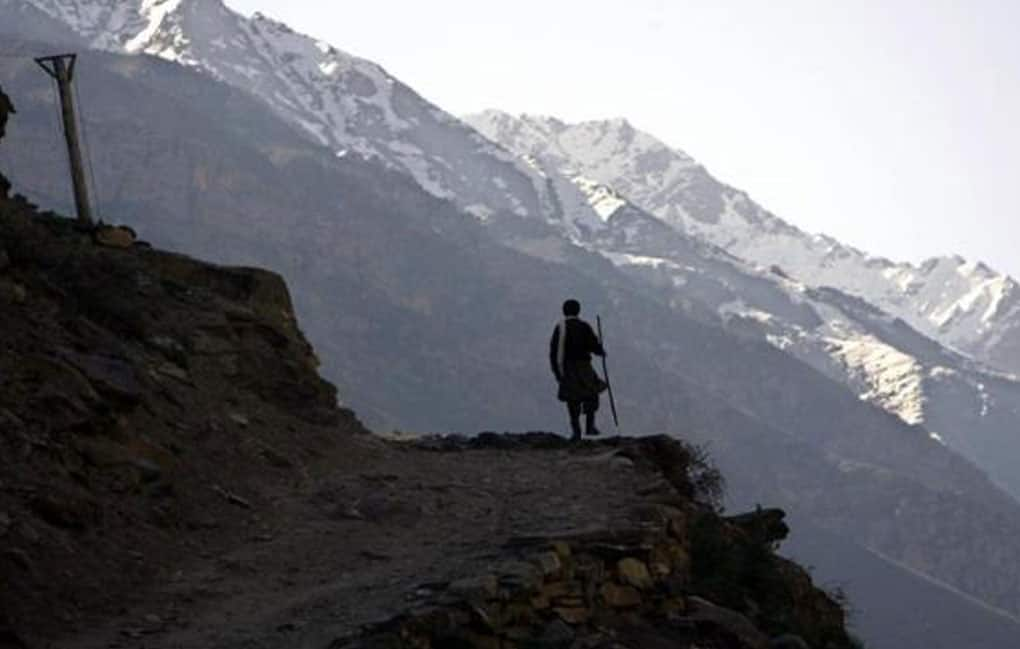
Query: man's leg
column 574, row 408
column 590, row 408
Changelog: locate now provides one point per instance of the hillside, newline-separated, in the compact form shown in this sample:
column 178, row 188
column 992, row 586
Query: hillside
column 879, row 328
column 175, row 473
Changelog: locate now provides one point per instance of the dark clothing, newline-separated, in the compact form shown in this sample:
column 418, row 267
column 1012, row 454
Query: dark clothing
column 574, row 409
column 6, row 108
column 580, row 344
column 579, row 384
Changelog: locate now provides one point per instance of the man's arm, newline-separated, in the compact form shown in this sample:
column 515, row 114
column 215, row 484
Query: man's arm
column 594, row 346
column 6, row 105
column 554, row 352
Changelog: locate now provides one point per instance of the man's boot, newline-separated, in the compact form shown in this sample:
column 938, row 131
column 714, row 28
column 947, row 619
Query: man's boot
column 589, row 425
column 575, row 426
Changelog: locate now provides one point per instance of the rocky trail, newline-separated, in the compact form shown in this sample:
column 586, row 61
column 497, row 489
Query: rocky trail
column 367, row 540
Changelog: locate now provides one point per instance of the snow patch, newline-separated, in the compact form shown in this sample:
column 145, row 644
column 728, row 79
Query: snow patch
column 154, row 11
column 895, row 379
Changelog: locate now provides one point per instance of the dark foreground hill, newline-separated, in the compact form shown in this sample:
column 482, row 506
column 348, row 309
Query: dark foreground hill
column 175, row 473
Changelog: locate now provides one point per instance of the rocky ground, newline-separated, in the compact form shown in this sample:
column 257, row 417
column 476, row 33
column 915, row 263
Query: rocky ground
column 174, row 473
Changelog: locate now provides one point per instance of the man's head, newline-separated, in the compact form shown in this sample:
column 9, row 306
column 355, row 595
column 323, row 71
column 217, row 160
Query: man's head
column 6, row 105
column 571, row 308
column 6, row 108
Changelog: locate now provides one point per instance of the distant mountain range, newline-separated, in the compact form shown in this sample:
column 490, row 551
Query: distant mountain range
column 862, row 321
column 428, row 256
column 964, row 305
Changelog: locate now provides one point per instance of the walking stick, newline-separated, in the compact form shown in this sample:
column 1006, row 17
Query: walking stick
column 605, row 373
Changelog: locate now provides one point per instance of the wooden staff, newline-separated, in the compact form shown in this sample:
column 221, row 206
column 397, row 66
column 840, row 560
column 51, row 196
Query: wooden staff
column 605, row 373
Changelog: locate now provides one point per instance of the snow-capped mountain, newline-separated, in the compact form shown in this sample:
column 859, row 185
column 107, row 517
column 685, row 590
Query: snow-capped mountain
column 964, row 305
column 878, row 356
column 348, row 104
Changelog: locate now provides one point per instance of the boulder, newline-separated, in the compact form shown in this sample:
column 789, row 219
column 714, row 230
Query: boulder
column 763, row 526
column 729, row 621
column 519, row 576
column 114, row 236
column 617, row 596
column 549, row 563
column 111, row 376
column 573, row 615
column 562, row 549
column 634, row 572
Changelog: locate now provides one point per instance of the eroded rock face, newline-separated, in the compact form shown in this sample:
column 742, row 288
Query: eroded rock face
column 124, row 374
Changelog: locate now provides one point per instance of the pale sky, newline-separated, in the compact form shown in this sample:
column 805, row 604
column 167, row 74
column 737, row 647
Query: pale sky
column 890, row 125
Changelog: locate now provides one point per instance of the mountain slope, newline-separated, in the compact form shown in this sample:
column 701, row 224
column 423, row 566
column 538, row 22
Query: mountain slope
column 874, row 599
column 33, row 23
column 964, row 305
column 348, row 104
column 877, row 355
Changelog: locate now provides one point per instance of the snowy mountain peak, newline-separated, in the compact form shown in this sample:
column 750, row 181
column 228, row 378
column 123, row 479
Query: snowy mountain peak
column 965, row 305
column 616, row 135
column 351, row 105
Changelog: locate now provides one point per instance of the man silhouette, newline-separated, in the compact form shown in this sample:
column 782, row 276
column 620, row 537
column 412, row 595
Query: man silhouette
column 6, row 108
column 573, row 342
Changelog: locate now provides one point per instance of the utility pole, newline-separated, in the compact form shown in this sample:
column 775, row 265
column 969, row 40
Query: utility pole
column 61, row 68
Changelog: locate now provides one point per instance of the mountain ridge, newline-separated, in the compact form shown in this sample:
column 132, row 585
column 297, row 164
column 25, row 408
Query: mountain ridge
column 965, row 305
column 346, row 103
column 878, row 355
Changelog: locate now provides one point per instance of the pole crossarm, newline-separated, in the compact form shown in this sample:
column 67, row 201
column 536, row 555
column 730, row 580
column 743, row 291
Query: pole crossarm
column 50, row 64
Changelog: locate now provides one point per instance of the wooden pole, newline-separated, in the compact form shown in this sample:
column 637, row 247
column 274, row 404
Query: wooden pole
column 61, row 68
column 605, row 372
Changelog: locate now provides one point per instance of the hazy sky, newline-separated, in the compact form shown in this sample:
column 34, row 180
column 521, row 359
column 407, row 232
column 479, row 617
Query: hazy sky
column 890, row 125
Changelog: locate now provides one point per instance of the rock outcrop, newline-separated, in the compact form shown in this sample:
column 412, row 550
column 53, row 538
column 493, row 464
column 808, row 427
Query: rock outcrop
column 137, row 389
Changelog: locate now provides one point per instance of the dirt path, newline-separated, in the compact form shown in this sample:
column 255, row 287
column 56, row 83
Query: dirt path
column 362, row 544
